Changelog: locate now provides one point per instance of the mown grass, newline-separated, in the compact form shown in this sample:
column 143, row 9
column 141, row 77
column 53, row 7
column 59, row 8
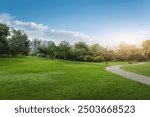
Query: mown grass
column 37, row 78
column 143, row 69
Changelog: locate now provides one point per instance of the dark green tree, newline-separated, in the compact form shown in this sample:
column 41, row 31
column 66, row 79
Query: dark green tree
column 51, row 49
column 63, row 50
column 96, row 50
column 19, row 43
column 81, row 50
column 4, row 33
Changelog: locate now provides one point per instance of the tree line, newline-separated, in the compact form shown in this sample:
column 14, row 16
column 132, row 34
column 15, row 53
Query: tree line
column 16, row 42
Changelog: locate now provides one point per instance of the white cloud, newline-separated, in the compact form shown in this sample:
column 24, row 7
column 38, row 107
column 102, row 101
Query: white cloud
column 6, row 18
column 30, row 25
column 35, row 30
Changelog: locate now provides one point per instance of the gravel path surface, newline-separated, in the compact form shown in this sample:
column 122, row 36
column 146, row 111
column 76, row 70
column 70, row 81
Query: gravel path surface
column 133, row 76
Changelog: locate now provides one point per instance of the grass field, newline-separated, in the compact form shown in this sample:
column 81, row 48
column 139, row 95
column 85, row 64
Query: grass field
column 37, row 78
column 143, row 69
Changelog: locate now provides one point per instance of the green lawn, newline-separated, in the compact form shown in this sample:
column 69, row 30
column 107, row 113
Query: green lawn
column 37, row 78
column 143, row 69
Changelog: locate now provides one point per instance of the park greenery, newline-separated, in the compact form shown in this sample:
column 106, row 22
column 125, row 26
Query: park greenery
column 28, row 77
column 56, row 71
column 16, row 42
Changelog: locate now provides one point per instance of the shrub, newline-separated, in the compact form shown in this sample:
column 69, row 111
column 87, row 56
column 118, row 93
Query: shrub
column 88, row 58
column 81, row 58
column 98, row 59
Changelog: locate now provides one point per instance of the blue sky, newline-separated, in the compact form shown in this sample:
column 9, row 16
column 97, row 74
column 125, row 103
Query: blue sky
column 108, row 22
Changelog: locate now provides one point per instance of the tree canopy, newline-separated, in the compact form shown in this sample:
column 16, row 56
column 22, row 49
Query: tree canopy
column 16, row 42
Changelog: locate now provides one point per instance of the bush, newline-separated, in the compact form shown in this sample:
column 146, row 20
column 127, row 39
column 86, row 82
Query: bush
column 88, row 58
column 98, row 59
column 81, row 58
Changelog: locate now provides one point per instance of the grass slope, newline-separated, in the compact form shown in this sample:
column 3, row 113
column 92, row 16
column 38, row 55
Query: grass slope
column 37, row 78
column 143, row 69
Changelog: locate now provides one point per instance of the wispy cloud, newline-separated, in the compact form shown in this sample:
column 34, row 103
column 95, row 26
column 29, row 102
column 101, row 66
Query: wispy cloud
column 41, row 31
column 30, row 25
column 36, row 30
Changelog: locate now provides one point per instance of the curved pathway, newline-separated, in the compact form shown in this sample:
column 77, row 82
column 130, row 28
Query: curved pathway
column 133, row 76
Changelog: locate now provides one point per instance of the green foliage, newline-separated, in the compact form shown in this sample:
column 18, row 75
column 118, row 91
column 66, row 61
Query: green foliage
column 35, row 44
column 98, row 59
column 4, row 44
column 64, row 50
column 96, row 50
column 81, row 50
column 19, row 43
column 80, row 58
column 43, row 51
column 146, row 48
column 51, row 48
column 88, row 58
column 4, row 30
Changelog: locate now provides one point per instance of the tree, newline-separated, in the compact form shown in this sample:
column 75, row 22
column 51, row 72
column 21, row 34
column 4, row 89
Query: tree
column 146, row 48
column 63, row 50
column 19, row 43
column 81, row 50
column 131, row 52
column 96, row 50
column 127, row 52
column 121, row 52
column 42, row 50
column 4, row 33
column 51, row 49
column 110, row 54
column 35, row 44
column 139, row 54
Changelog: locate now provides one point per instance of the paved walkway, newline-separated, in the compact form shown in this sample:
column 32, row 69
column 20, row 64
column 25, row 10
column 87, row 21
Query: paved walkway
column 133, row 76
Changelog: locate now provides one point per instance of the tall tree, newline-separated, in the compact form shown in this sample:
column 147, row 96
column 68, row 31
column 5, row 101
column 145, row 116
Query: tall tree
column 96, row 50
column 64, row 49
column 35, row 44
column 81, row 50
column 43, row 51
column 19, row 43
column 51, row 48
column 4, row 33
